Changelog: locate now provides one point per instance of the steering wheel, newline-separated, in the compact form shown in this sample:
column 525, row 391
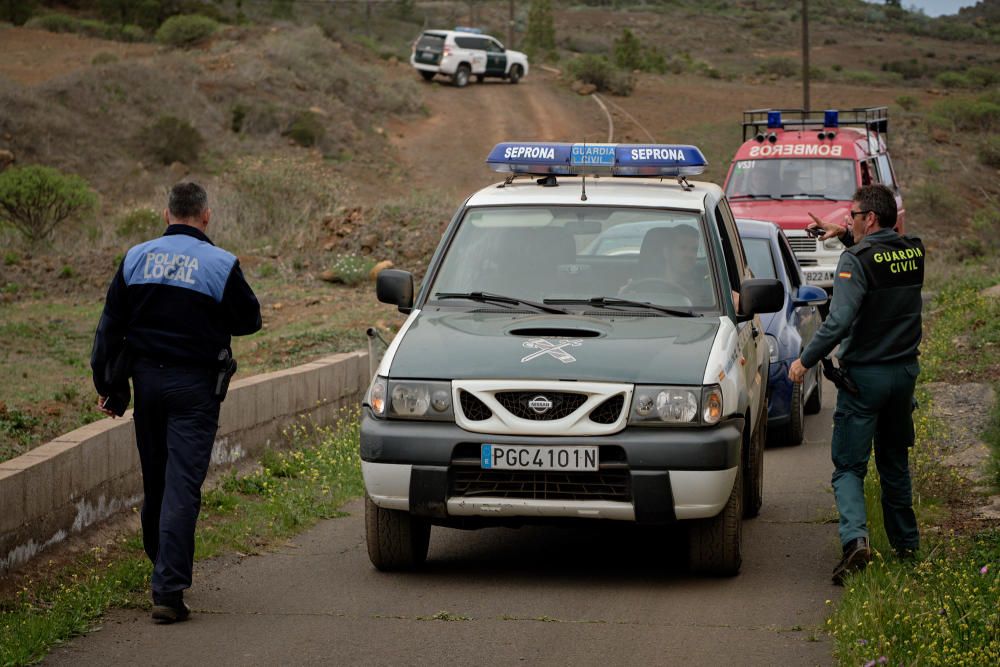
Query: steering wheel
column 652, row 285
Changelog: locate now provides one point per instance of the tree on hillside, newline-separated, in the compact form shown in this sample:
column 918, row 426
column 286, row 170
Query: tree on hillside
column 35, row 200
column 146, row 13
column 628, row 51
column 16, row 11
column 540, row 36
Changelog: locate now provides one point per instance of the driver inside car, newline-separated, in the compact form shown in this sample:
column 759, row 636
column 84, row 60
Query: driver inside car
column 668, row 266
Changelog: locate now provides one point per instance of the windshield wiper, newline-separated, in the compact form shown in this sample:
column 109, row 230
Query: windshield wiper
column 750, row 196
column 810, row 195
column 500, row 298
column 612, row 301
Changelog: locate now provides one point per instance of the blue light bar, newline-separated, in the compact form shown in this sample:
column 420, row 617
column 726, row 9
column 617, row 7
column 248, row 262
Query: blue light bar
column 773, row 120
column 608, row 159
column 465, row 28
column 831, row 118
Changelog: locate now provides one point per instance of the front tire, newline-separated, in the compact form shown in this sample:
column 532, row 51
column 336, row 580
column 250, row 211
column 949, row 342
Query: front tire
column 753, row 486
column 791, row 433
column 716, row 545
column 427, row 76
column 461, row 76
column 515, row 74
column 396, row 540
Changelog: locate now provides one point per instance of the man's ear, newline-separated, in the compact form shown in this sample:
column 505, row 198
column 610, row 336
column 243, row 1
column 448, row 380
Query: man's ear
column 166, row 216
column 206, row 216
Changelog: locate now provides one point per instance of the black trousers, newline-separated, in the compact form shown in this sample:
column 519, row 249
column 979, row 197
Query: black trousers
column 176, row 418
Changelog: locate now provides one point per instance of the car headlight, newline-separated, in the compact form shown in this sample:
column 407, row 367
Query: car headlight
column 772, row 347
column 653, row 406
column 420, row 399
column 833, row 244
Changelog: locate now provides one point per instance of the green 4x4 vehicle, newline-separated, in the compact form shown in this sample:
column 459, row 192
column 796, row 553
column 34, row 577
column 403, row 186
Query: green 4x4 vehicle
column 580, row 348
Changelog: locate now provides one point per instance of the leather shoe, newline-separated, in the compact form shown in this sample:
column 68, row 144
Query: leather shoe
column 171, row 613
column 857, row 555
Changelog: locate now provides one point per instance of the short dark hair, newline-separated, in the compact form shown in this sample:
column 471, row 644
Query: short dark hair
column 187, row 200
column 880, row 200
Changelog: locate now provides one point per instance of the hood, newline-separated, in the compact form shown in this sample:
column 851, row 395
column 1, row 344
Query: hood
column 451, row 345
column 791, row 213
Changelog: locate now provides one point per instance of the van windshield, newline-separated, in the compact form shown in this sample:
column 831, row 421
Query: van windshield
column 581, row 252
column 779, row 178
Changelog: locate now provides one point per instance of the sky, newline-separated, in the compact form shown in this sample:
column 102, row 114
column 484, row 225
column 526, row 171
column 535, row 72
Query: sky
column 938, row 7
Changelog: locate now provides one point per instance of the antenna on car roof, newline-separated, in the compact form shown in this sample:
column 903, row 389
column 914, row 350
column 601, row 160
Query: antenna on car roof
column 583, row 192
column 683, row 181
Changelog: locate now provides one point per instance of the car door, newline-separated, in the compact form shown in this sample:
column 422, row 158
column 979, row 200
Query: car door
column 496, row 59
column 804, row 319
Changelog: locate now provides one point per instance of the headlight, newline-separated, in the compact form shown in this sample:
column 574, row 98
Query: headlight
column 653, row 406
column 375, row 396
column 833, row 244
column 772, row 346
column 419, row 399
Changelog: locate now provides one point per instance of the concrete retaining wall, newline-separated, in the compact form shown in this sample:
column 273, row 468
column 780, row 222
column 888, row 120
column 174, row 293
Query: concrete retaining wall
column 85, row 476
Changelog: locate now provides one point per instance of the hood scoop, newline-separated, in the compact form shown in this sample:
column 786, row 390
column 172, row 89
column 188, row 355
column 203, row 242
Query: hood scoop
column 554, row 332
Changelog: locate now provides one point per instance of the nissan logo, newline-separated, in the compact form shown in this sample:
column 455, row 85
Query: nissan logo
column 540, row 405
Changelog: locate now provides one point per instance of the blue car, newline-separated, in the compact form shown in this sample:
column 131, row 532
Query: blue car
column 787, row 331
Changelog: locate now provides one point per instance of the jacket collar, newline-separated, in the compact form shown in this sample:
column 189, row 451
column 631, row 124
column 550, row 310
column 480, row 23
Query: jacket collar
column 883, row 234
column 187, row 230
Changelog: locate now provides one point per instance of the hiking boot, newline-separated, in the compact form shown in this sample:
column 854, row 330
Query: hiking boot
column 171, row 613
column 907, row 554
column 857, row 555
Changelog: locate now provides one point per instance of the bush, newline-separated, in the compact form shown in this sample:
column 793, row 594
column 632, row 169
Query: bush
column 104, row 58
column 989, row 152
column 907, row 102
column 139, row 222
column 601, row 73
column 540, row 34
column 628, row 51
column 54, row 23
column 172, row 139
column 186, row 30
column 952, row 80
column 90, row 28
column 861, row 77
column 908, row 69
column 936, row 198
column 35, row 200
column 306, row 130
column 16, row 11
column 351, row 269
column 971, row 115
column 780, row 67
column 983, row 77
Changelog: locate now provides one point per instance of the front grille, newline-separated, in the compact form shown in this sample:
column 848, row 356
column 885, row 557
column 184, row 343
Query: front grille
column 808, row 261
column 608, row 411
column 474, row 409
column 802, row 243
column 563, row 404
column 541, row 485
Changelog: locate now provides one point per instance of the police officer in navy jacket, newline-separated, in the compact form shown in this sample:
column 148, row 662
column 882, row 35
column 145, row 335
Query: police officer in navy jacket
column 170, row 311
column 875, row 317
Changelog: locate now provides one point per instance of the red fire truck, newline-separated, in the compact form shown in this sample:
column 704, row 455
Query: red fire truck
column 795, row 163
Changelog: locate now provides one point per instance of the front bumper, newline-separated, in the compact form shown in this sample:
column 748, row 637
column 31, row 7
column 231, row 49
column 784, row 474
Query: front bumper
column 657, row 475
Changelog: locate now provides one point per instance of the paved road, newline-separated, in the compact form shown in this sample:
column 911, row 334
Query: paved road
column 616, row 596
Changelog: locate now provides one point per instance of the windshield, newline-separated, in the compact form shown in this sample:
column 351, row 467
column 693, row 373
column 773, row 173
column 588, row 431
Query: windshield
column 580, row 252
column 759, row 257
column 792, row 178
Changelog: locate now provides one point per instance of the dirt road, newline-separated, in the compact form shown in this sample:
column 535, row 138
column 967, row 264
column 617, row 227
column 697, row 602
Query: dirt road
column 584, row 596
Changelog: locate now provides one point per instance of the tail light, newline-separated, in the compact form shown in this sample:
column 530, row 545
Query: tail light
column 446, row 52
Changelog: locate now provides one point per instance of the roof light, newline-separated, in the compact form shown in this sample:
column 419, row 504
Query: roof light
column 465, row 28
column 611, row 159
column 773, row 120
column 831, row 118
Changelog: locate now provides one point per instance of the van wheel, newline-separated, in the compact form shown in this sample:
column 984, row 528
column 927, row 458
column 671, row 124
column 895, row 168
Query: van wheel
column 396, row 540
column 791, row 433
column 715, row 546
column 753, row 486
column 461, row 76
column 515, row 74
column 427, row 75
column 815, row 402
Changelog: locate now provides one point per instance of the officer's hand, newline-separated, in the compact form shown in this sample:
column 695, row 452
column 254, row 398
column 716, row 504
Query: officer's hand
column 100, row 406
column 830, row 229
column 797, row 372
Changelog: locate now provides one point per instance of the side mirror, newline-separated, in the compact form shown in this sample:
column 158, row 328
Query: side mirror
column 760, row 295
column 395, row 287
column 810, row 295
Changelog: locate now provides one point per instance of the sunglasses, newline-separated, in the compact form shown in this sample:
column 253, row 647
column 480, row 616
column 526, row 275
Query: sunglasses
column 854, row 213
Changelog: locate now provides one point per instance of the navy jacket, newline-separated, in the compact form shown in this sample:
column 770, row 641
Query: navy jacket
column 176, row 299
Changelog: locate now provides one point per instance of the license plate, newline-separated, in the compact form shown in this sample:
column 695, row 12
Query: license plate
column 528, row 457
column 819, row 275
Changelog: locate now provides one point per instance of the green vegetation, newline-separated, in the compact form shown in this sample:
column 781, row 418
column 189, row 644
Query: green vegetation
column 307, row 129
column 171, row 139
column 941, row 609
column 139, row 223
column 778, row 67
column 599, row 71
column 540, row 35
column 89, row 27
column 979, row 114
column 186, row 30
column 16, row 11
column 988, row 151
column 289, row 492
column 16, row 427
column 351, row 269
column 35, row 200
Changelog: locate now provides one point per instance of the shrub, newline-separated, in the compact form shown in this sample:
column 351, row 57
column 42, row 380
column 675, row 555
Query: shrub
column 16, row 11
column 540, row 35
column 781, row 67
column 907, row 102
column 306, row 130
column 989, row 152
column 983, row 77
column 186, row 30
column 936, row 199
column 54, row 23
column 139, row 222
column 35, row 200
column 952, row 80
column 351, row 269
column 628, row 52
column 601, row 73
column 972, row 115
column 104, row 58
column 171, row 139
column 64, row 23
column 860, row 77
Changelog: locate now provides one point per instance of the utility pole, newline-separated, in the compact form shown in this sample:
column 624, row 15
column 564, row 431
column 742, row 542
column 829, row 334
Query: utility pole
column 510, row 25
column 805, row 55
